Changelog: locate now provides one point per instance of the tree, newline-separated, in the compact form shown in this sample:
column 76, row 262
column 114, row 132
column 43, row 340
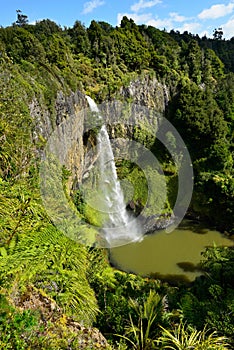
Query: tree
column 196, row 115
column 127, row 23
column 45, row 28
column 22, row 20
column 212, row 294
column 218, row 34
column 79, row 38
column 20, row 44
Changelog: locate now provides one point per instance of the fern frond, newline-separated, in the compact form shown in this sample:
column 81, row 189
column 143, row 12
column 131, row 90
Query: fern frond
column 56, row 264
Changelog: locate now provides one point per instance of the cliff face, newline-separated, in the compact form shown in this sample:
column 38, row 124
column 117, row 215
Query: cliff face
column 136, row 106
column 136, row 111
column 147, row 91
column 63, row 132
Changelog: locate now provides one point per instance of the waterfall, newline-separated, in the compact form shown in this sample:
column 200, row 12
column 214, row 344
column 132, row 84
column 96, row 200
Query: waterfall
column 120, row 228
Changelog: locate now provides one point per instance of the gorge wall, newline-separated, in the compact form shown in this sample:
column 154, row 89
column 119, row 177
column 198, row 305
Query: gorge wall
column 134, row 105
column 67, row 127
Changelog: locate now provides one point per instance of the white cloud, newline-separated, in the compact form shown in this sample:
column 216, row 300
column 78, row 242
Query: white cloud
column 138, row 19
column 228, row 28
column 204, row 33
column 142, row 4
column 160, row 23
column 191, row 27
column 89, row 6
column 217, row 11
column 176, row 17
column 168, row 22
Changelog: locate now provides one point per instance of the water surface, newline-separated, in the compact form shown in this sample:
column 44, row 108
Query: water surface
column 173, row 255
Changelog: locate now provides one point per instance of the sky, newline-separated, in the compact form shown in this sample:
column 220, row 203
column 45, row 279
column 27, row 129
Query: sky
column 196, row 17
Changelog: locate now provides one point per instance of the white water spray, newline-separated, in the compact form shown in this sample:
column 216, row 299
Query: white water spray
column 120, row 227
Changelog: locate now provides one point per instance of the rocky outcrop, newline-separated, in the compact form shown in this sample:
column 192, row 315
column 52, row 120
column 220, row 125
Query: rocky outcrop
column 42, row 120
column 147, row 91
column 55, row 323
column 156, row 222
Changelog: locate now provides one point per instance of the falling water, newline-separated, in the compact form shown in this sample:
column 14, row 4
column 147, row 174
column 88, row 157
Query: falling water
column 120, row 228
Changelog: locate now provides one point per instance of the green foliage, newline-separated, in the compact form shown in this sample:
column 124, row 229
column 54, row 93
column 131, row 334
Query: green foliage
column 119, row 50
column 42, row 329
column 44, row 28
column 34, row 252
column 212, row 295
column 223, row 48
column 57, row 52
column 20, row 211
column 56, row 264
column 165, row 50
column 148, row 187
column 79, row 39
column 192, row 60
column 121, row 295
column 214, row 64
column 15, row 123
column 184, row 337
column 15, row 326
column 195, row 114
column 142, row 335
column 134, row 183
column 20, row 45
column 213, row 197
column 225, row 99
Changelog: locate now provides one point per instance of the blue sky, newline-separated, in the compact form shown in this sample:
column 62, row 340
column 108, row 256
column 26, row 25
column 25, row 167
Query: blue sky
column 198, row 17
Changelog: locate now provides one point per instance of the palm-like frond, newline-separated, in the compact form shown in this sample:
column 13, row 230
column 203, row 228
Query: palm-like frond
column 143, row 333
column 184, row 337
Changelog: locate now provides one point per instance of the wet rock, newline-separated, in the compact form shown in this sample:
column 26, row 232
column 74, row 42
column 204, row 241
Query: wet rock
column 156, row 222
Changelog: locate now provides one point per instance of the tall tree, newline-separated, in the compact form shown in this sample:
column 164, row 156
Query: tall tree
column 22, row 19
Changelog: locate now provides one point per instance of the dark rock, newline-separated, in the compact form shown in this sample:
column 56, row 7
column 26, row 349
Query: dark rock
column 156, row 222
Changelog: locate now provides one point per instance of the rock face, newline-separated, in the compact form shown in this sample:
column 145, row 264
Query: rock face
column 70, row 121
column 136, row 111
column 42, row 120
column 65, row 126
column 136, row 106
column 154, row 222
column 147, row 91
